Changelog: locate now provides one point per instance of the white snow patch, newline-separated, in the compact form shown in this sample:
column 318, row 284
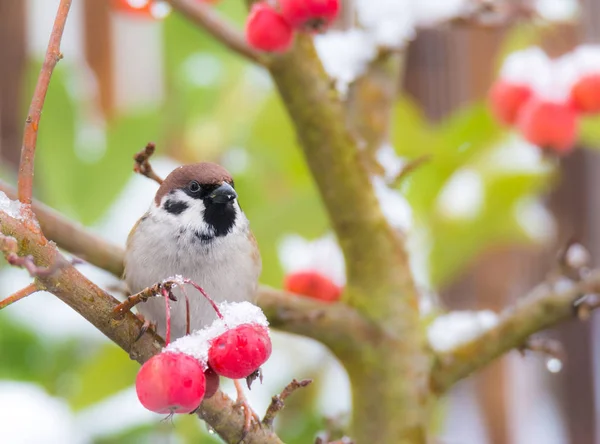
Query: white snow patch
column 585, row 59
column 394, row 206
column 557, row 10
column 463, row 195
column 160, row 9
column 10, row 207
column 322, row 254
column 390, row 23
column 577, row 256
column 345, row 55
column 234, row 314
column 551, row 80
column 458, row 327
column 31, row 416
column 115, row 414
column 431, row 12
column 516, row 155
column 392, row 163
column 535, row 219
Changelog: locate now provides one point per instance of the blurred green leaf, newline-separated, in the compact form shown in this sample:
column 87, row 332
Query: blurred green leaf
column 105, row 373
column 590, row 131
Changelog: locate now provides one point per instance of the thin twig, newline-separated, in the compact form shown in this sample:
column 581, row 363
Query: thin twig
column 27, row 262
column 53, row 55
column 142, row 163
column 409, row 168
column 278, row 401
column 204, row 15
column 547, row 346
column 17, row 296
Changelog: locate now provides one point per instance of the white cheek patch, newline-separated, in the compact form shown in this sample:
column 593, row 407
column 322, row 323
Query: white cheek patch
column 184, row 213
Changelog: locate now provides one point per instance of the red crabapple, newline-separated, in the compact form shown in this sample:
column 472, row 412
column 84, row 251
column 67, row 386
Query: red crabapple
column 585, row 94
column 507, row 100
column 267, row 30
column 171, row 383
column 314, row 285
column 549, row 125
column 239, row 352
column 310, row 15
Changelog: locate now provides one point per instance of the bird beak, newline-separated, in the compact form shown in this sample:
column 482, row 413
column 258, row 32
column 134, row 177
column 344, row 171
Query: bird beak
column 225, row 193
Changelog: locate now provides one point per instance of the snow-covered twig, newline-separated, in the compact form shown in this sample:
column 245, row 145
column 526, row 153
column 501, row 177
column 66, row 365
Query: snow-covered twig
column 546, row 305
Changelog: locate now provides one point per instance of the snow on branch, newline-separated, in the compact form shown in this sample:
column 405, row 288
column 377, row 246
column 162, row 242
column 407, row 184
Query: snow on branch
column 483, row 337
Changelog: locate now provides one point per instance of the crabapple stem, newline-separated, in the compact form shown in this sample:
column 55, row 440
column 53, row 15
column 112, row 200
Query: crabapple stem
column 165, row 294
column 187, row 310
column 208, row 298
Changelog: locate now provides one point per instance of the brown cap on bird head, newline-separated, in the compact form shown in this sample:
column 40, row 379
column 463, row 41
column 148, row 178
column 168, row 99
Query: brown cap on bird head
column 205, row 173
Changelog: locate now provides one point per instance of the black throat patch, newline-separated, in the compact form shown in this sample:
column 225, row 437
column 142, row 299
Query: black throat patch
column 219, row 216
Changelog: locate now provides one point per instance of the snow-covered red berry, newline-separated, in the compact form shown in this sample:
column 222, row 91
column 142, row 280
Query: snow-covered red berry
column 312, row 284
column 549, row 125
column 241, row 351
column 310, row 15
column 171, row 383
column 585, row 94
column 267, row 30
column 507, row 99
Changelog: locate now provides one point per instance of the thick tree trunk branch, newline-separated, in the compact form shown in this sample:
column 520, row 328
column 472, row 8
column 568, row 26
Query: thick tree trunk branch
column 204, row 15
column 376, row 261
column 547, row 305
column 380, row 284
column 97, row 306
column 53, row 55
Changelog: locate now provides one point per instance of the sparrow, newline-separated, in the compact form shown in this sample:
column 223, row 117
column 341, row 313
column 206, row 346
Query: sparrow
column 195, row 228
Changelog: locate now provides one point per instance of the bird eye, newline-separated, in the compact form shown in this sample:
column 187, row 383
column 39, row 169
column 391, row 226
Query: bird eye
column 194, row 186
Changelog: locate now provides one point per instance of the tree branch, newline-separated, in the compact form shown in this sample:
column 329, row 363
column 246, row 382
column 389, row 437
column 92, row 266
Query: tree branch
column 204, row 15
column 546, row 305
column 53, row 55
column 73, row 237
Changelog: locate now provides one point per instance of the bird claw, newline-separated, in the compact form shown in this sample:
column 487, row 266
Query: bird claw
column 249, row 414
column 147, row 325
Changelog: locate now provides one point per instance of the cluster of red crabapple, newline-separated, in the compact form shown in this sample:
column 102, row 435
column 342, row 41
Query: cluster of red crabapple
column 271, row 24
column 187, row 370
column 271, row 27
column 550, row 123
